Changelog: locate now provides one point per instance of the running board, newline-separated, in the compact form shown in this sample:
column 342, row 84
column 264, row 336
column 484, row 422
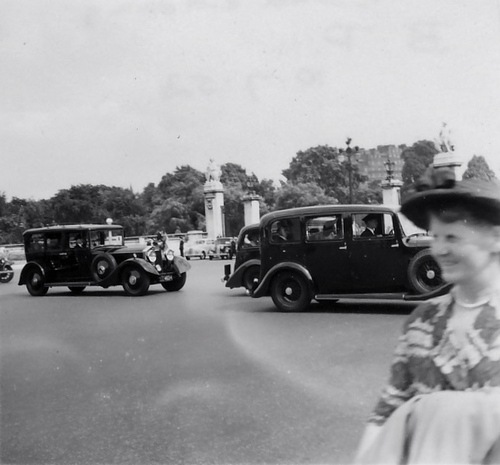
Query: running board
column 386, row 296
column 444, row 289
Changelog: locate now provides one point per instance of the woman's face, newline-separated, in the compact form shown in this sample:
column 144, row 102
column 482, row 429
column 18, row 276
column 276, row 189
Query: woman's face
column 465, row 251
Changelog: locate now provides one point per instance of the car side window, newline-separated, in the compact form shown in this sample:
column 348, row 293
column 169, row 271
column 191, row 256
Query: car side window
column 97, row 238
column 372, row 225
column 324, row 228
column 36, row 243
column 285, row 230
column 53, row 241
column 251, row 239
column 76, row 240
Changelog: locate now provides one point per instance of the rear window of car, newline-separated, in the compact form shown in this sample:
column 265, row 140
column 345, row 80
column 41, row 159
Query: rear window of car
column 285, row 230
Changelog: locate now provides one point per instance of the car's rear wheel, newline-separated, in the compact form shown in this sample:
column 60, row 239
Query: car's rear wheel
column 252, row 274
column 424, row 273
column 290, row 292
column 7, row 274
column 102, row 266
column 176, row 285
column 76, row 289
column 135, row 281
column 35, row 283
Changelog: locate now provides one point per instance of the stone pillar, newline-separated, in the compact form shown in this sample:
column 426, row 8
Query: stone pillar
column 451, row 160
column 214, row 209
column 251, row 209
column 391, row 192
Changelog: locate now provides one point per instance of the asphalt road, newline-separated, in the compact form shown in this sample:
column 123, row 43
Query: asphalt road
column 206, row 375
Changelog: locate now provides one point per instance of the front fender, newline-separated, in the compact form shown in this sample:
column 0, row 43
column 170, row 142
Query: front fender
column 263, row 287
column 26, row 268
column 236, row 279
column 114, row 277
column 181, row 264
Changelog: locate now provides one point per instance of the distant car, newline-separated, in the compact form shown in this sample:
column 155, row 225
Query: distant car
column 78, row 256
column 221, row 248
column 343, row 251
column 247, row 263
column 199, row 248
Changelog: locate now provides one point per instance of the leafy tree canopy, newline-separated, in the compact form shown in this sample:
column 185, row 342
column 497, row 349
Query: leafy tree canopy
column 478, row 168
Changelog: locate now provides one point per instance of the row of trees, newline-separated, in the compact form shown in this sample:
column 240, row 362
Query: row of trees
column 315, row 176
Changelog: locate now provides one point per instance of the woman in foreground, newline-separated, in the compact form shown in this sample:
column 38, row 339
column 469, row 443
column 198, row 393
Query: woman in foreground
column 442, row 402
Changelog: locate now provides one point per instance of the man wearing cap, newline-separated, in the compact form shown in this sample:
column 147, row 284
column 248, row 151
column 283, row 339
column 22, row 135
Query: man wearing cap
column 371, row 222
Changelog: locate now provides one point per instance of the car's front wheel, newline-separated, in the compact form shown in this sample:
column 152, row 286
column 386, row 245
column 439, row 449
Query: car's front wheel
column 176, row 285
column 290, row 292
column 424, row 273
column 35, row 283
column 135, row 281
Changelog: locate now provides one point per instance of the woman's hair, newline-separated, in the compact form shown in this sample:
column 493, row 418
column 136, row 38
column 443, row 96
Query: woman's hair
column 450, row 212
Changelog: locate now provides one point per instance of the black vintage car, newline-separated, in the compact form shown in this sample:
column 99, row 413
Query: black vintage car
column 84, row 255
column 343, row 251
column 247, row 262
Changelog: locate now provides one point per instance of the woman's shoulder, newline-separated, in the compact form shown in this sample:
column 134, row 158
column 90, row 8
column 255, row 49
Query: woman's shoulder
column 430, row 310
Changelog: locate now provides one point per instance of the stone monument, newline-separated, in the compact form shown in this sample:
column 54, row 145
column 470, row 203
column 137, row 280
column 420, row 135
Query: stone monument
column 214, row 201
column 251, row 206
column 447, row 156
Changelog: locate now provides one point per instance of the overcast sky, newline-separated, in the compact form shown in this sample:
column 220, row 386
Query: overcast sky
column 119, row 92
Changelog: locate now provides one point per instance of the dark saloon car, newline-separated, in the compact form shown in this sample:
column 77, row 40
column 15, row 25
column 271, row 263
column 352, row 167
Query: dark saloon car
column 84, row 255
column 247, row 262
column 343, row 251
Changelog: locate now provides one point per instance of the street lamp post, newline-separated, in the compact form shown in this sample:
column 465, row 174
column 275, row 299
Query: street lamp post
column 349, row 150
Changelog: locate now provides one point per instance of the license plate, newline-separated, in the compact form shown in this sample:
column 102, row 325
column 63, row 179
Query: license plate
column 167, row 277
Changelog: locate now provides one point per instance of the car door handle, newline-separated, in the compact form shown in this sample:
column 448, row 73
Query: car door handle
column 343, row 247
column 63, row 254
column 394, row 245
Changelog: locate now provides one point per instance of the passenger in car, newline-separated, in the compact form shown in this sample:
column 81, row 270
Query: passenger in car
column 282, row 232
column 442, row 401
column 372, row 222
column 328, row 232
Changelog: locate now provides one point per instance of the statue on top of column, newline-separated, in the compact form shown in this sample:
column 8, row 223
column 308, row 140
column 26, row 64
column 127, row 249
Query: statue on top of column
column 443, row 143
column 213, row 172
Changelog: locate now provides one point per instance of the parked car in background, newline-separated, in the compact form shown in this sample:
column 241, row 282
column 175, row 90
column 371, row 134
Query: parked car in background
column 221, row 248
column 247, row 262
column 343, row 251
column 198, row 248
column 78, row 256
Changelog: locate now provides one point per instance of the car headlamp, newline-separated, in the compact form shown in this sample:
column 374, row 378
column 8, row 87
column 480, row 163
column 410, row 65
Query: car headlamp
column 151, row 255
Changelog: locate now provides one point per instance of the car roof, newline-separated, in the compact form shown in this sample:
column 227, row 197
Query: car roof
column 73, row 227
column 325, row 210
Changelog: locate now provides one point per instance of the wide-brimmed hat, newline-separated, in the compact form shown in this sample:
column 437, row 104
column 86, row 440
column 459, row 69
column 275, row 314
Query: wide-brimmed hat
column 438, row 190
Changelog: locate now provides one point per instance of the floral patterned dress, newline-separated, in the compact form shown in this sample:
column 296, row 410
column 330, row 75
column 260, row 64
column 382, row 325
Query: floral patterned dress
column 428, row 357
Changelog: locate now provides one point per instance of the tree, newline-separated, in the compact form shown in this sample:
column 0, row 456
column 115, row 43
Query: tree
column 322, row 165
column 416, row 160
column 478, row 168
column 301, row 195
